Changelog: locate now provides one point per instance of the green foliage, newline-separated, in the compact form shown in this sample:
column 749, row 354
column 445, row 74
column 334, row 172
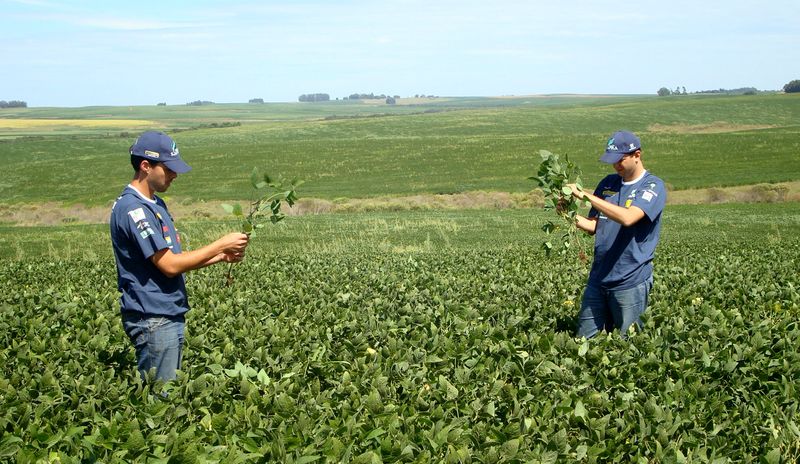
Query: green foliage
column 267, row 197
column 792, row 86
column 454, row 353
column 554, row 176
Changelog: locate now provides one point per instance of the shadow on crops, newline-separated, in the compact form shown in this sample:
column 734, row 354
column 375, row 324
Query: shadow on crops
column 566, row 324
column 119, row 359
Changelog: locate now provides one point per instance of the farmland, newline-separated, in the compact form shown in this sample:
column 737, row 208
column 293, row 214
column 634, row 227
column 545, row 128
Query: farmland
column 413, row 336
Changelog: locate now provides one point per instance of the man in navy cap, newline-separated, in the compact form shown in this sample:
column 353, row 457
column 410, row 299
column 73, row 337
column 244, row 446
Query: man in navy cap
column 150, row 262
column 625, row 219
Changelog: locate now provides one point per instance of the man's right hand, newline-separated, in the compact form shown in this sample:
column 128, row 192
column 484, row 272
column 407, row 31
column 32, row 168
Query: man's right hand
column 234, row 243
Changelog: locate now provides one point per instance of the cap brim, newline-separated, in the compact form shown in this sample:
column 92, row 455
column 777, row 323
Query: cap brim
column 177, row 165
column 611, row 157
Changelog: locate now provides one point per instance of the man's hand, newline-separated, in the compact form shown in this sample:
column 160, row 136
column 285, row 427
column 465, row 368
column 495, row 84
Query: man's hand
column 576, row 192
column 234, row 243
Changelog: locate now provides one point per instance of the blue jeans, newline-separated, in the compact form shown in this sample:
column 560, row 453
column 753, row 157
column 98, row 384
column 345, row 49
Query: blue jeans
column 604, row 309
column 158, row 341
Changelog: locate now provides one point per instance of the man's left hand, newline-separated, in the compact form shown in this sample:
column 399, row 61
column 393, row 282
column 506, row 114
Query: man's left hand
column 576, row 192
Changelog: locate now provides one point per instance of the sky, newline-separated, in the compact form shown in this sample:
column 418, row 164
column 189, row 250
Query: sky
column 91, row 52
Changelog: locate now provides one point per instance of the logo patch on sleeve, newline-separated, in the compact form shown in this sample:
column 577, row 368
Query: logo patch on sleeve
column 647, row 196
column 137, row 215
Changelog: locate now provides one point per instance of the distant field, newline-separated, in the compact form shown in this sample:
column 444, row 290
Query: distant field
column 181, row 117
column 691, row 142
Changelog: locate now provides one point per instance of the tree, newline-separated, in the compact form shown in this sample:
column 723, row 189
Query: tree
column 663, row 92
column 13, row 104
column 256, row 100
column 314, row 97
column 792, row 87
column 390, row 101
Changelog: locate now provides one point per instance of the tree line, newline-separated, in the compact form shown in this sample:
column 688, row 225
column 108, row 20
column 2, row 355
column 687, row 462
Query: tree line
column 13, row 104
column 791, row 87
column 314, row 97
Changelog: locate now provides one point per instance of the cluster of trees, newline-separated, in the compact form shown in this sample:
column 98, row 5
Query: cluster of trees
column 739, row 91
column 13, row 104
column 792, row 87
column 314, row 97
column 663, row 91
column 200, row 103
column 369, row 96
column 256, row 100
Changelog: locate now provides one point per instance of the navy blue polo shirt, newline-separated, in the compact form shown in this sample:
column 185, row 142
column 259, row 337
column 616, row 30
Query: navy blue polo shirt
column 623, row 256
column 140, row 227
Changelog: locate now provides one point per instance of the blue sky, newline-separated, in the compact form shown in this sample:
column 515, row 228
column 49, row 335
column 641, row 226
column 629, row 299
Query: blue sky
column 88, row 52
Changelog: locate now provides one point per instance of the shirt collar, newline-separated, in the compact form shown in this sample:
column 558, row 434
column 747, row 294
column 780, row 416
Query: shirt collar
column 635, row 180
column 141, row 195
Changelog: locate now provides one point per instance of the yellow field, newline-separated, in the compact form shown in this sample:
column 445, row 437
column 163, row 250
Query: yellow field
column 84, row 123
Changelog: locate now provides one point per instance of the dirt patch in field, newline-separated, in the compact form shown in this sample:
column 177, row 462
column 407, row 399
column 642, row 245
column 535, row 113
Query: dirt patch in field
column 716, row 127
column 759, row 193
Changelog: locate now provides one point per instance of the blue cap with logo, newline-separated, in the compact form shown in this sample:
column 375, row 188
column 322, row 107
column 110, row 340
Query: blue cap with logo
column 158, row 146
column 620, row 144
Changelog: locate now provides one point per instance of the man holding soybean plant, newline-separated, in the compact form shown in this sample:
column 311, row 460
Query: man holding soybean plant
column 150, row 262
column 625, row 219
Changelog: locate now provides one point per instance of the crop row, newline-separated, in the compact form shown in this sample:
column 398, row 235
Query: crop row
column 374, row 356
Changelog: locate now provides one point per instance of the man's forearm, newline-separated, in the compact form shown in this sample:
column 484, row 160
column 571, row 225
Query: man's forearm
column 625, row 216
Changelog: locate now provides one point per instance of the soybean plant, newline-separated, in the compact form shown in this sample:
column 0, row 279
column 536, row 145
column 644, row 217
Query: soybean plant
column 553, row 176
column 268, row 195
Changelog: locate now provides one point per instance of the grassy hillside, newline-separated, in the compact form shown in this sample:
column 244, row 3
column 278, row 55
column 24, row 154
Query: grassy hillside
column 691, row 142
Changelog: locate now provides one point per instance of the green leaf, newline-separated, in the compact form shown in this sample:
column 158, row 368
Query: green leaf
column 566, row 191
column 237, row 210
column 584, row 348
column 580, row 410
column 307, row 459
column 773, row 457
column 228, row 208
column 375, row 434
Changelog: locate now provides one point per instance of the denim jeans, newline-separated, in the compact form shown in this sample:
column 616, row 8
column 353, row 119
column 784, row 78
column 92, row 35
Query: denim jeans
column 158, row 342
column 607, row 309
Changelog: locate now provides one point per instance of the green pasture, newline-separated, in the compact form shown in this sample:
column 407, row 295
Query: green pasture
column 414, row 232
column 691, row 142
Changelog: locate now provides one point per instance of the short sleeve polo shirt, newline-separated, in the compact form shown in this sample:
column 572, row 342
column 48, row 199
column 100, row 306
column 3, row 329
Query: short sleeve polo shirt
column 623, row 255
column 140, row 227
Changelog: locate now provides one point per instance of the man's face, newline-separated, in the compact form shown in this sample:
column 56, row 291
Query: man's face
column 160, row 177
column 626, row 166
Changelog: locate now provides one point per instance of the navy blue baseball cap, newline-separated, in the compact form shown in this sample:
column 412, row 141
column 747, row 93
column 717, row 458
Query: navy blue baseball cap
column 158, row 146
column 620, row 144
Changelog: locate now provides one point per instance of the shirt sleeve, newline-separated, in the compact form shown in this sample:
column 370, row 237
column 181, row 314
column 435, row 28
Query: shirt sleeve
column 145, row 228
column 651, row 198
